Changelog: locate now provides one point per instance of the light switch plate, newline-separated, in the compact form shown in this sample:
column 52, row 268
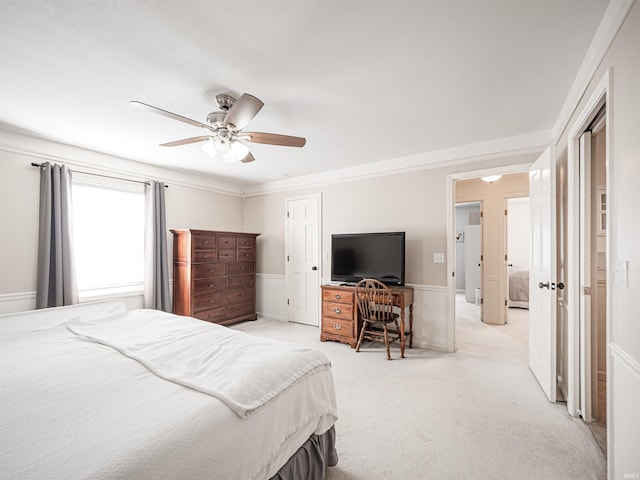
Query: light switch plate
column 622, row 272
column 438, row 258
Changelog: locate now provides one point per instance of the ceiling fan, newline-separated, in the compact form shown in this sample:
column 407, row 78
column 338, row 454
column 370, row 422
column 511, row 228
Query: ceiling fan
column 224, row 136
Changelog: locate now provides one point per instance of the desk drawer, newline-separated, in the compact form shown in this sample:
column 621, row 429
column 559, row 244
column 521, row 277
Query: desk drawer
column 340, row 327
column 339, row 296
column 333, row 310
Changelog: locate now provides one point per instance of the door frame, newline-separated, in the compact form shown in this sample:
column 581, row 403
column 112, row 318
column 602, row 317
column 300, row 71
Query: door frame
column 600, row 97
column 318, row 198
column 451, row 180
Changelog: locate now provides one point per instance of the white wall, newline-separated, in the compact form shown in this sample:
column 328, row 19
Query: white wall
column 190, row 203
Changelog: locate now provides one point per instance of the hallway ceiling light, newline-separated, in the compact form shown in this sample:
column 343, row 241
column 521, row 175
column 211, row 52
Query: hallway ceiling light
column 491, row 178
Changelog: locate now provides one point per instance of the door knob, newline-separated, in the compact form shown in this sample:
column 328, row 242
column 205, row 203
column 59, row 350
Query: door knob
column 560, row 286
column 314, row 268
column 543, row 285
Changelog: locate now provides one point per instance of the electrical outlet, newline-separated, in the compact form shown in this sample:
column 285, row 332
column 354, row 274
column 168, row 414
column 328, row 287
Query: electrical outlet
column 438, row 258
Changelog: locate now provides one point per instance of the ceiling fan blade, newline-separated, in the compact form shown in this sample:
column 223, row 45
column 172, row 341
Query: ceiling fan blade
column 273, row 139
column 165, row 113
column 247, row 158
column 186, row 141
column 242, row 111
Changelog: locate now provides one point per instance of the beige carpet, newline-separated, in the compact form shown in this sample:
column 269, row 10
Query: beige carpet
column 474, row 414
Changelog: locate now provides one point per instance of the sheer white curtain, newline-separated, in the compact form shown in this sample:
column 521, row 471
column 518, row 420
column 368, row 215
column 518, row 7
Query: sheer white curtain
column 156, row 267
column 56, row 278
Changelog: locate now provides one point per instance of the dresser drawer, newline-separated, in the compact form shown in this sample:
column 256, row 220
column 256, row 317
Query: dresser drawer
column 240, row 281
column 203, row 242
column 240, row 268
column 342, row 311
column 213, row 315
column 227, row 255
column 205, row 270
column 208, row 301
column 336, row 326
column 246, row 254
column 246, row 242
column 340, row 296
column 226, row 242
column 209, row 285
column 234, row 311
column 240, row 295
column 200, row 256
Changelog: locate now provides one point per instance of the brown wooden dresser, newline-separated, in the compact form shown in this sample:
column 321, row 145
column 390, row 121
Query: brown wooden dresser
column 214, row 275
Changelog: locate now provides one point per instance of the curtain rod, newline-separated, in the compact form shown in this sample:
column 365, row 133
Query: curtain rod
column 34, row 164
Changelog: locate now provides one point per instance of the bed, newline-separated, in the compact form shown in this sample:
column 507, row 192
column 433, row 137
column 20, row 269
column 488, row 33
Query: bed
column 96, row 391
column 518, row 287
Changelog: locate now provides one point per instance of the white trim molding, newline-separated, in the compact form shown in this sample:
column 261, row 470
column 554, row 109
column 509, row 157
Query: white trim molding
column 519, row 145
column 612, row 20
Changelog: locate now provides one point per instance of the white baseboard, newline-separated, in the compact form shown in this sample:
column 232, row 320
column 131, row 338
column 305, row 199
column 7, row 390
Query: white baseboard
column 17, row 302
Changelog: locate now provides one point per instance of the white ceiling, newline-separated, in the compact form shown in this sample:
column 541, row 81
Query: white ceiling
column 363, row 81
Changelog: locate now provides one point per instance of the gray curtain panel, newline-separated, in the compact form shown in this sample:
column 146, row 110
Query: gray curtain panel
column 56, row 280
column 156, row 266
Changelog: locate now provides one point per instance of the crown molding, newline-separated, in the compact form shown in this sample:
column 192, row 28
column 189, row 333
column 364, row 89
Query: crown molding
column 491, row 150
column 102, row 163
column 612, row 20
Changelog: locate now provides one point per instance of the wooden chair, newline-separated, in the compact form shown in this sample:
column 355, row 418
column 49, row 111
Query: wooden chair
column 375, row 308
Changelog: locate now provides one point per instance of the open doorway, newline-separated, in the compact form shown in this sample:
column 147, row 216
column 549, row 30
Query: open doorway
column 590, row 273
column 481, row 318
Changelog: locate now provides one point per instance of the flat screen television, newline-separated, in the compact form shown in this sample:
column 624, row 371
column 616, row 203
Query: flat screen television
column 355, row 256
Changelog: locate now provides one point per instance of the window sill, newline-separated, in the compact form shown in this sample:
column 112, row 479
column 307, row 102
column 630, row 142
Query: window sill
column 110, row 292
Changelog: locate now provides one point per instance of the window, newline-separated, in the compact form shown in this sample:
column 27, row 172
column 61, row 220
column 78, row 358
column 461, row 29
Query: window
column 108, row 237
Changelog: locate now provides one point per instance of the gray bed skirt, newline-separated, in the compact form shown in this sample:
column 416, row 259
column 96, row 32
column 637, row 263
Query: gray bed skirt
column 311, row 460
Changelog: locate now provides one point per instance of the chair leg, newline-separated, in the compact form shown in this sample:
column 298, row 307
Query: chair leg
column 386, row 341
column 364, row 324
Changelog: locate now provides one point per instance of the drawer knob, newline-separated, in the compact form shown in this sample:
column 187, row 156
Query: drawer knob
column 337, row 310
column 210, row 300
column 337, row 326
column 206, row 242
column 338, row 297
column 241, row 268
column 211, row 269
column 211, row 285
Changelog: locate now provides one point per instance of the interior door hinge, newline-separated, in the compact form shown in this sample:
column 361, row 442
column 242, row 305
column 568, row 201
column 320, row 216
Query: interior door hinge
column 287, row 213
column 505, row 303
column 481, row 214
column 481, row 257
column 287, row 258
column 287, row 301
column 505, row 211
column 482, row 301
column 505, row 257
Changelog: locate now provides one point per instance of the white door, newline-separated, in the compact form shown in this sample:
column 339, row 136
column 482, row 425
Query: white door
column 472, row 255
column 542, row 293
column 302, row 270
column 585, row 275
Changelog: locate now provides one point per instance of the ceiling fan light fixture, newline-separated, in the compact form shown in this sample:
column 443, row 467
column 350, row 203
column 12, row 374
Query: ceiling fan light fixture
column 207, row 147
column 229, row 157
column 491, row 178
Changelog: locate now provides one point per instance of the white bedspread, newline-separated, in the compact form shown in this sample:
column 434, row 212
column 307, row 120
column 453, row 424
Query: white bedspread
column 243, row 371
column 75, row 409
